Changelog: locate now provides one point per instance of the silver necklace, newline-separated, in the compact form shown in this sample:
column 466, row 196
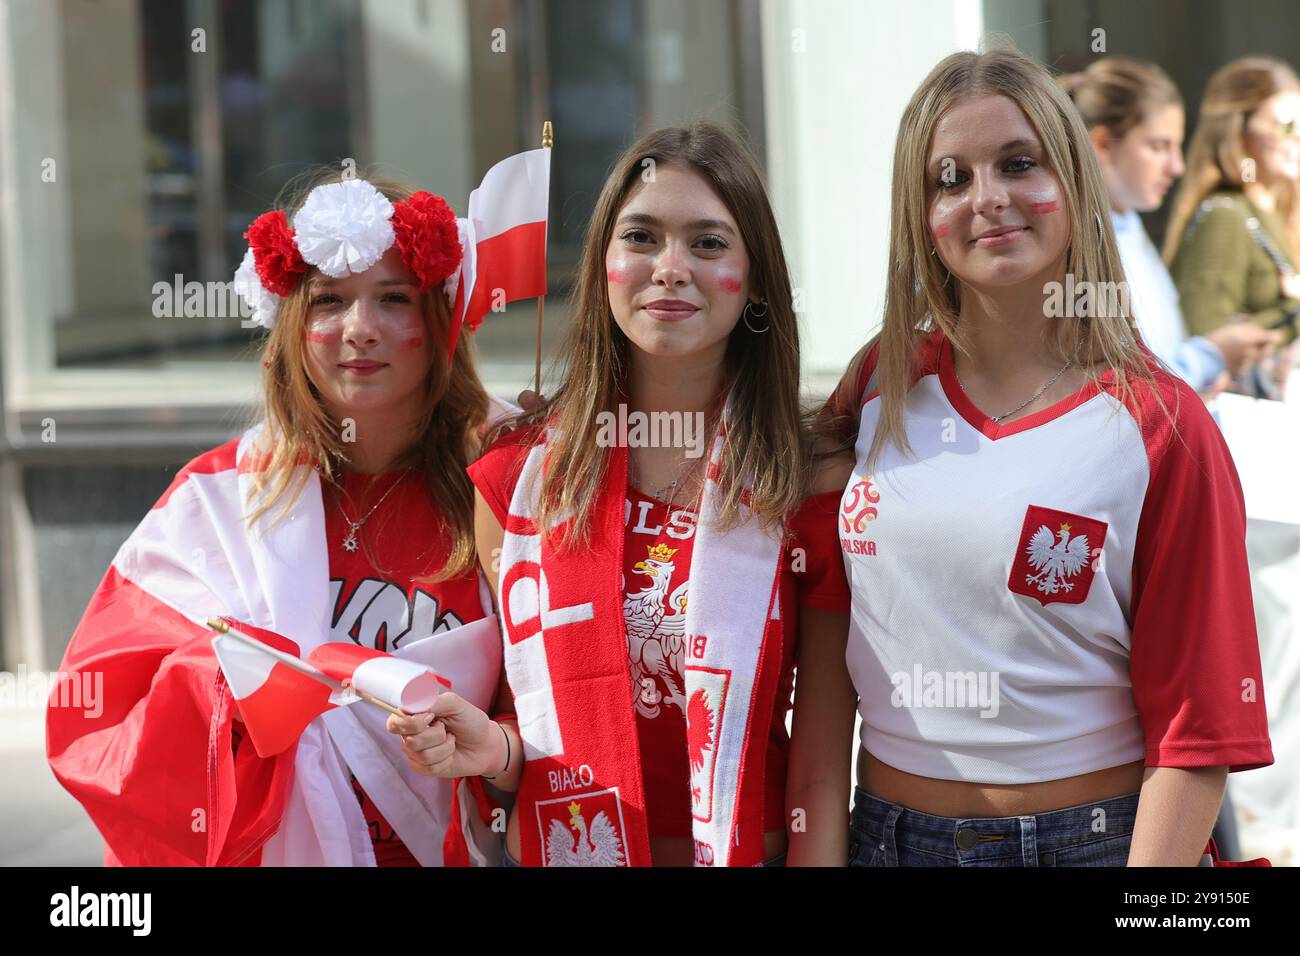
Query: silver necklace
column 670, row 488
column 996, row 419
column 350, row 542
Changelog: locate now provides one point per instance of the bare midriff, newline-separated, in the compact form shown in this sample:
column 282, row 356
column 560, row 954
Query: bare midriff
column 964, row 799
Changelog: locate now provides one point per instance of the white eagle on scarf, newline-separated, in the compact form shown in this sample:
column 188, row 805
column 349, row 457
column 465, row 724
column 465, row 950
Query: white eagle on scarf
column 656, row 640
column 599, row 847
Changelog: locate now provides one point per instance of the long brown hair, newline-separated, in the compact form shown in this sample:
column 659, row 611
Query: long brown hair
column 1217, row 155
column 763, row 444
column 921, row 295
column 445, row 438
column 1119, row 93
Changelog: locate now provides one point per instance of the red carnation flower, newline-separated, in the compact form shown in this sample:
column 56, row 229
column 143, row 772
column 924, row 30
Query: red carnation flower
column 275, row 255
column 425, row 227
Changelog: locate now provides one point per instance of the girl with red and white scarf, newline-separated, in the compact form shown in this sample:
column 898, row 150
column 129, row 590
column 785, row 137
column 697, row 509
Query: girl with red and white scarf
column 648, row 726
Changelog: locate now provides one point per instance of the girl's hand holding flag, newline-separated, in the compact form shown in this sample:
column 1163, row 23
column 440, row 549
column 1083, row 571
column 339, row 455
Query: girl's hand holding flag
column 453, row 738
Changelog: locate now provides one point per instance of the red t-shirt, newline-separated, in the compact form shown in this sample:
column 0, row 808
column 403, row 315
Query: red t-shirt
column 381, row 606
column 657, row 547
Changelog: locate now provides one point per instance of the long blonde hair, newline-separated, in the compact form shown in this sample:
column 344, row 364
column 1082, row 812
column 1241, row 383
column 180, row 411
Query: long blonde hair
column 446, row 437
column 1217, row 155
column 921, row 295
column 764, row 440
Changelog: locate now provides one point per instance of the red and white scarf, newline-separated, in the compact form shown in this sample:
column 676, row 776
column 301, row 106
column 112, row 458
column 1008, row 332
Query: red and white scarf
column 582, row 797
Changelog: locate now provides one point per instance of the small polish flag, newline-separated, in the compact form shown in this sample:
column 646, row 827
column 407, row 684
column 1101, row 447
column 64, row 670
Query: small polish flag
column 278, row 693
column 505, row 247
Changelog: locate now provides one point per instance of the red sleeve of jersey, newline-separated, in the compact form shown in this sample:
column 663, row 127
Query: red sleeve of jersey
column 1194, row 656
column 496, row 472
column 847, row 402
column 820, row 581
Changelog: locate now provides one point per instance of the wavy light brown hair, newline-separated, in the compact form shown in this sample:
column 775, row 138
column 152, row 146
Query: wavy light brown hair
column 921, row 295
column 1217, row 154
column 763, row 442
column 1119, row 93
column 446, row 437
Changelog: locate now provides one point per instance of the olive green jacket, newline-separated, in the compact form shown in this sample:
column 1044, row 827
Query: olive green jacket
column 1221, row 270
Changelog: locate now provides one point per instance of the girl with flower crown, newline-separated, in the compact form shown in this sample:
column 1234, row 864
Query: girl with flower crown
column 344, row 514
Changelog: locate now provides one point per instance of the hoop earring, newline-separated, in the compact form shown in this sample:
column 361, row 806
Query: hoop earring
column 751, row 311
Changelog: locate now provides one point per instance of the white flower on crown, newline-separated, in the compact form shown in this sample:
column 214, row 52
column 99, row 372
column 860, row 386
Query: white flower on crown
column 249, row 287
column 343, row 228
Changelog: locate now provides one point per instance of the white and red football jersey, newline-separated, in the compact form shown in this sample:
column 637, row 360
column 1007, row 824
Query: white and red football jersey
column 1051, row 596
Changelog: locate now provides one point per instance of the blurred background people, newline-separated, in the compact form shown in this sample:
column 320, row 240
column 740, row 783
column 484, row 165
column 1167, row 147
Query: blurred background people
column 1232, row 234
column 1135, row 119
column 1232, row 241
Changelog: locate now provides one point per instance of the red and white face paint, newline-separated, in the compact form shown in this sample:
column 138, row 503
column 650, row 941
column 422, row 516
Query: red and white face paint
column 366, row 340
column 996, row 211
column 677, row 268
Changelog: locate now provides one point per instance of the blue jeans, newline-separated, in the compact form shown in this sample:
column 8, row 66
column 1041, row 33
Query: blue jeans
column 508, row 860
column 1093, row 834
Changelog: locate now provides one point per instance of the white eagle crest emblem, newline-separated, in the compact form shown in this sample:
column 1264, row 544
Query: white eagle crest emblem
column 599, row 847
column 1056, row 560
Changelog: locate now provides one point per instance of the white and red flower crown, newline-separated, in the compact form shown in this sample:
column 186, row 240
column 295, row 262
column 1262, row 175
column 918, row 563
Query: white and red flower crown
column 342, row 229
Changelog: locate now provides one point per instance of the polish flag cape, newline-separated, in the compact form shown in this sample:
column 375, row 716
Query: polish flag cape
column 582, row 797
column 155, row 771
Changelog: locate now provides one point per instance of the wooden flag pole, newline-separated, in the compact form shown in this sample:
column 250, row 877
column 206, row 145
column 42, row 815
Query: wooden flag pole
column 537, row 375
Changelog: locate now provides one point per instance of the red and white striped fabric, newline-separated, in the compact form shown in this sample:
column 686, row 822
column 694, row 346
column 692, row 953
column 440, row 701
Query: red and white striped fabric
column 582, row 794
column 504, row 237
column 155, row 768
column 278, row 694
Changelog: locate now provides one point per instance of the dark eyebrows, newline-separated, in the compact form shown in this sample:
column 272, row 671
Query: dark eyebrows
column 937, row 162
column 645, row 219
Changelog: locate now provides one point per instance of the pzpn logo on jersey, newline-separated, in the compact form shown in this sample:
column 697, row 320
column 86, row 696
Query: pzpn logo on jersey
column 1054, row 561
column 857, row 510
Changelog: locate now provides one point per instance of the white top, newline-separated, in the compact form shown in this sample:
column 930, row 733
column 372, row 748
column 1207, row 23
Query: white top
column 1057, row 595
column 1156, row 307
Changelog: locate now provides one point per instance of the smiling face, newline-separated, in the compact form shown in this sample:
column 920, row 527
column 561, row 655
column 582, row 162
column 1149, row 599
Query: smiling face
column 1140, row 167
column 1272, row 137
column 367, row 342
column 677, row 268
column 997, row 214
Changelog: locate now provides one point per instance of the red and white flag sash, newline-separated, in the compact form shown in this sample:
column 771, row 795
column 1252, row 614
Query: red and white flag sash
column 582, row 797
column 194, row 558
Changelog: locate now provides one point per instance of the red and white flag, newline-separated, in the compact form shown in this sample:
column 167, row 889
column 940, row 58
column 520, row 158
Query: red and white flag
column 504, row 238
column 157, row 757
column 278, row 693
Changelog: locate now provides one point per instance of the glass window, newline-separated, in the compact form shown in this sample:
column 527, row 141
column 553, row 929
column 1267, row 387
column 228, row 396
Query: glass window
column 158, row 129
